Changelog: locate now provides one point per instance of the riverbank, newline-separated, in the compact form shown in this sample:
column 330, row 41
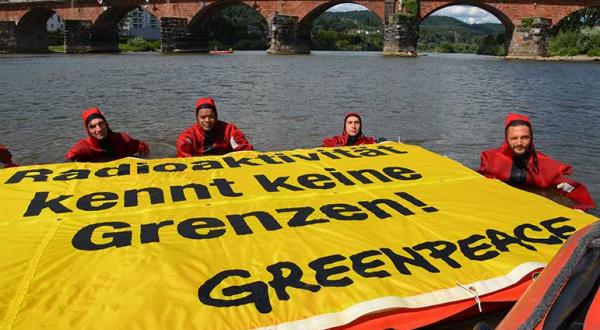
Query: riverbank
column 576, row 58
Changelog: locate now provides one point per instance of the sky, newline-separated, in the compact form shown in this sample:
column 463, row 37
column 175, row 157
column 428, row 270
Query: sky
column 468, row 14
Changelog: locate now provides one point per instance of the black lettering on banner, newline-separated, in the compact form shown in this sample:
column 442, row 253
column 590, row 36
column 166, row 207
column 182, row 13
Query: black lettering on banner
column 107, row 172
column 440, row 250
column 362, row 178
column 471, row 251
column 203, row 165
column 83, row 238
column 563, row 232
column 328, row 154
column 400, row 261
column 345, row 153
column 501, row 240
column 312, row 156
column 178, row 192
column 361, row 267
column 232, row 162
column 341, row 177
column 300, row 217
column 335, row 211
column 225, row 187
column 40, row 201
column 373, row 207
column 85, row 202
column 155, row 194
column 292, row 280
column 311, row 181
column 273, row 186
column 401, row 173
column 189, row 228
column 391, row 149
column 72, row 175
column 268, row 159
column 415, row 201
column 367, row 152
column 37, row 175
column 520, row 233
column 149, row 231
column 170, row 167
column 323, row 274
column 254, row 293
column 142, row 168
column 239, row 224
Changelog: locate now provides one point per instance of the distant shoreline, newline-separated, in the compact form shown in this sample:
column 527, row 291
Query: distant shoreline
column 576, row 58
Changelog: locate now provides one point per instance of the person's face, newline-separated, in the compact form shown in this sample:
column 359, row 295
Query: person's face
column 519, row 138
column 352, row 125
column 206, row 119
column 97, row 128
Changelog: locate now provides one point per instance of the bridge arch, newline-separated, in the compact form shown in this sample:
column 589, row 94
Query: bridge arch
column 501, row 16
column 305, row 24
column 105, row 29
column 508, row 24
column 31, row 30
column 199, row 21
column 569, row 15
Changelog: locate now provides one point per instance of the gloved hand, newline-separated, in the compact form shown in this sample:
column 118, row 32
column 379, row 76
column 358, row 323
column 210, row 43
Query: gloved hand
column 5, row 156
column 143, row 149
column 565, row 187
column 380, row 139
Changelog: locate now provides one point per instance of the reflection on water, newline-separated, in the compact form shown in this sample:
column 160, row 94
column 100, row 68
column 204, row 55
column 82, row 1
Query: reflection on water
column 451, row 104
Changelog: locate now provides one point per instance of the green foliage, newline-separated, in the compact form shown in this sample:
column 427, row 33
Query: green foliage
column 238, row 27
column 490, row 45
column 411, row 7
column 450, row 35
column 577, row 34
column 526, row 22
column 57, row 48
column 588, row 17
column 571, row 43
column 444, row 47
column 594, row 52
column 347, row 31
column 139, row 44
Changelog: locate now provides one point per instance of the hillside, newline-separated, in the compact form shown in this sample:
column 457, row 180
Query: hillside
column 361, row 30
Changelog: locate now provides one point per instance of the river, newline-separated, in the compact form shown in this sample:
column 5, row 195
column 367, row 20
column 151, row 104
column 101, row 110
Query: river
column 451, row 104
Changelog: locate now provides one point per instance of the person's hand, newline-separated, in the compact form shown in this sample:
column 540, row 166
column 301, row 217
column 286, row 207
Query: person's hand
column 143, row 149
column 5, row 156
column 565, row 187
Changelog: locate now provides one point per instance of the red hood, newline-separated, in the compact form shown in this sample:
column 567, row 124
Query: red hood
column 88, row 115
column 510, row 118
column 206, row 102
column 515, row 116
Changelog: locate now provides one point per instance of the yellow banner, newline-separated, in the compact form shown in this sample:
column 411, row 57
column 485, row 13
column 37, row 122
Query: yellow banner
column 299, row 239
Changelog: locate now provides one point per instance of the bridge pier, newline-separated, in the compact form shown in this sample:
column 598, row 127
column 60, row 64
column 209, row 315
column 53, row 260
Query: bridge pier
column 400, row 36
column 82, row 37
column 176, row 37
column 78, row 36
column 32, row 39
column 286, row 37
column 8, row 37
column 22, row 40
column 105, row 40
column 530, row 38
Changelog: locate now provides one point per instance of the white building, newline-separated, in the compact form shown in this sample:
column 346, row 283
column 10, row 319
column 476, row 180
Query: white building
column 55, row 23
column 140, row 23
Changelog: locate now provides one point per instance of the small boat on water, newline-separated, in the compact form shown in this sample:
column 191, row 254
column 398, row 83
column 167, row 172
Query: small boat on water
column 220, row 52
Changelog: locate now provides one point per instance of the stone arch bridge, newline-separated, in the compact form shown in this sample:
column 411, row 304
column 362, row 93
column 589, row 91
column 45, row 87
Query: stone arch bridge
column 92, row 25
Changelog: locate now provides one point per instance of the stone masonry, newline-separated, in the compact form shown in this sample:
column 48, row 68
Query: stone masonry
column 400, row 35
column 530, row 38
column 284, row 36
